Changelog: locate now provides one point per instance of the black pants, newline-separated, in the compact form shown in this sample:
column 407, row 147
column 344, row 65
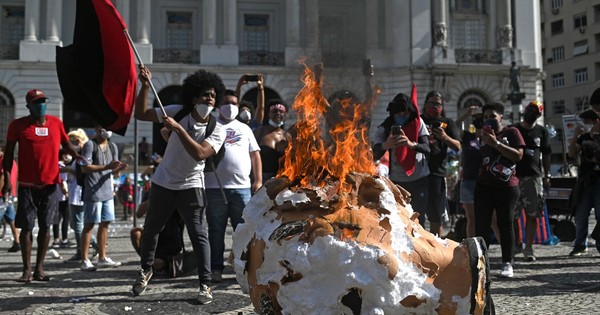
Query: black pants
column 190, row 204
column 504, row 201
column 62, row 229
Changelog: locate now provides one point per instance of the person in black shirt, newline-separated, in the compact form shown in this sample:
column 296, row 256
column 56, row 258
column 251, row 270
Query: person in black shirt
column 444, row 135
column 531, row 177
column 586, row 144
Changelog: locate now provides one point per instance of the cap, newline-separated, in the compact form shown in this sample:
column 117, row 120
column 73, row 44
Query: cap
column 538, row 105
column 34, row 95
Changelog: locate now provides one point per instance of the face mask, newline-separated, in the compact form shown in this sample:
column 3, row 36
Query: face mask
column 400, row 120
column 478, row 123
column 68, row 159
column 588, row 127
column 37, row 110
column 203, row 110
column 105, row 134
column 245, row 116
column 433, row 111
column 492, row 123
column 530, row 117
column 274, row 124
column 229, row 111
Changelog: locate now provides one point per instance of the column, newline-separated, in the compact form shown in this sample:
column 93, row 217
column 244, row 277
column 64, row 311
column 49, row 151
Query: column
column 32, row 17
column 293, row 51
column 372, row 24
column 230, row 22
column 53, row 20
column 312, row 28
column 440, row 27
column 504, row 29
column 209, row 17
column 143, row 22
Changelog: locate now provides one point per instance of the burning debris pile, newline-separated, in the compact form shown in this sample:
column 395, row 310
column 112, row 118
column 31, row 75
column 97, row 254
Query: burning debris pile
column 328, row 237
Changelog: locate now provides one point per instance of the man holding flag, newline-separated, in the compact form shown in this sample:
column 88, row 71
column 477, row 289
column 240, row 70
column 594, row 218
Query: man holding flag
column 405, row 136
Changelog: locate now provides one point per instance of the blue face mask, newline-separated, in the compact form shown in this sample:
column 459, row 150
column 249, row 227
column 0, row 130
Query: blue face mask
column 400, row 120
column 37, row 110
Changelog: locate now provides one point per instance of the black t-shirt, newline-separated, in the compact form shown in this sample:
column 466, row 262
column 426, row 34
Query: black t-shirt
column 439, row 149
column 589, row 168
column 537, row 142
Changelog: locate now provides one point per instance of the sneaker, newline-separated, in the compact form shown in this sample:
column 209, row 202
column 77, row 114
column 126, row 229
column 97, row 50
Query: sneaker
column 507, row 270
column 578, row 251
column 56, row 244
column 65, row 244
column 108, row 263
column 76, row 257
column 205, row 294
column 518, row 249
column 16, row 247
column 528, row 254
column 87, row 265
column 217, row 276
column 142, row 282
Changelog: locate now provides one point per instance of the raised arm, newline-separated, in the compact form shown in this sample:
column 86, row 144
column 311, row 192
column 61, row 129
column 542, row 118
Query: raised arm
column 141, row 102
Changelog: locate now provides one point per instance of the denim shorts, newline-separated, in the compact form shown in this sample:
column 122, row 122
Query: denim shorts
column 8, row 213
column 101, row 211
column 467, row 191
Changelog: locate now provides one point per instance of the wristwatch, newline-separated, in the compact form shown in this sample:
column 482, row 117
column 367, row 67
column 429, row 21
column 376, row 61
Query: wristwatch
column 497, row 143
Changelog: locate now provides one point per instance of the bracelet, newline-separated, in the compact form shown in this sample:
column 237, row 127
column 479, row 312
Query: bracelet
column 497, row 144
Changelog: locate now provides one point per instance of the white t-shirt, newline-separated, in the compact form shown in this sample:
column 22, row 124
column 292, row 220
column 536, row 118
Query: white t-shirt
column 178, row 170
column 234, row 170
column 74, row 189
column 396, row 171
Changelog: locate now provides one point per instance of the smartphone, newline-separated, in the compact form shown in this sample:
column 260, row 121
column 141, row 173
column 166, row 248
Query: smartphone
column 396, row 130
column 252, row 77
column 488, row 129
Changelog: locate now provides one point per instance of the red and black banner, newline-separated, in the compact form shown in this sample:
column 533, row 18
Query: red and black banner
column 97, row 73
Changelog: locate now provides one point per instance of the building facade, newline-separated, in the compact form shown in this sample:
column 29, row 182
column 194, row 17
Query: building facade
column 462, row 48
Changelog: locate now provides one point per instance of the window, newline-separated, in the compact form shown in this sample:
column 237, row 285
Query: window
column 467, row 6
column 558, row 107
column 256, row 33
column 580, row 48
column 556, row 27
column 12, row 31
column 468, row 25
column 579, row 21
column 558, row 53
column 555, row 4
column 179, row 30
column 581, row 75
column 7, row 109
column 580, row 103
column 596, row 13
column 558, row 80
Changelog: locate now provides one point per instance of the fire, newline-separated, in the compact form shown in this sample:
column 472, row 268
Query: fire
column 313, row 160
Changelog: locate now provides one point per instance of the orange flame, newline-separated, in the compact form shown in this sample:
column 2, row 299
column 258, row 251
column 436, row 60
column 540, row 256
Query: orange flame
column 311, row 159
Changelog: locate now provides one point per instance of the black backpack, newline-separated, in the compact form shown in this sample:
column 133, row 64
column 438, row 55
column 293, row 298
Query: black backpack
column 211, row 163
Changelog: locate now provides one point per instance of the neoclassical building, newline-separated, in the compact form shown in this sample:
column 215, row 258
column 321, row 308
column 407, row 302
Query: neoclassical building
column 463, row 48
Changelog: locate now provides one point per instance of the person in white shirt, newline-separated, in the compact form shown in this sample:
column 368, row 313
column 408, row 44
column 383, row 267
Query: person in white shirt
column 242, row 156
column 178, row 182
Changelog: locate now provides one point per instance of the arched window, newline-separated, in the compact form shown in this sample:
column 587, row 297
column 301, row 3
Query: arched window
column 7, row 110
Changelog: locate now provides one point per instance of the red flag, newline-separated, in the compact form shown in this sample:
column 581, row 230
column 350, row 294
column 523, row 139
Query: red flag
column 407, row 157
column 97, row 73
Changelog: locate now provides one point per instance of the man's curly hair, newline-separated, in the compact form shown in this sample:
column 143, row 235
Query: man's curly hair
column 198, row 82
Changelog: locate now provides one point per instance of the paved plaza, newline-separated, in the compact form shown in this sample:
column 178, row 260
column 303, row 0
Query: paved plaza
column 554, row 284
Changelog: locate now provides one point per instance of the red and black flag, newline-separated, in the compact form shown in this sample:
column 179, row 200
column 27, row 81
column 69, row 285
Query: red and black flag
column 97, row 73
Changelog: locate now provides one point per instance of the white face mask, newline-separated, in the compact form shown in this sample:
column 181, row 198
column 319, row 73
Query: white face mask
column 275, row 124
column 203, row 110
column 68, row 158
column 229, row 111
column 105, row 134
column 245, row 116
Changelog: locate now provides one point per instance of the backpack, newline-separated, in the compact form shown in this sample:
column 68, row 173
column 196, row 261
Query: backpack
column 211, row 163
column 79, row 174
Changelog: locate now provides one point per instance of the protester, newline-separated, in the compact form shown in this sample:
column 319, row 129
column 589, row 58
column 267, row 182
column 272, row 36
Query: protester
column 231, row 180
column 102, row 158
column 273, row 139
column 404, row 134
column 8, row 212
column 497, row 185
column 533, row 171
column 586, row 145
column 39, row 137
column 125, row 194
column 444, row 136
column 61, row 229
column 144, row 151
column 178, row 183
column 246, row 108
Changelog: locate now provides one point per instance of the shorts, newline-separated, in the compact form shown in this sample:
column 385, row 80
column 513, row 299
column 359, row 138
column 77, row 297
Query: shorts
column 8, row 212
column 37, row 203
column 467, row 191
column 99, row 211
column 530, row 198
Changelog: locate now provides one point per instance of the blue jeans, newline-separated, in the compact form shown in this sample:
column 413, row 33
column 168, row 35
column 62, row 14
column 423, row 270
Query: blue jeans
column 589, row 198
column 77, row 213
column 217, row 213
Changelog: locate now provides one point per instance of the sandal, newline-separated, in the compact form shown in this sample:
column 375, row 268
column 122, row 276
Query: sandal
column 25, row 279
column 39, row 277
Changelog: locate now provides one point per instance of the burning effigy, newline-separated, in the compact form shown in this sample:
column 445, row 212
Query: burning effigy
column 328, row 236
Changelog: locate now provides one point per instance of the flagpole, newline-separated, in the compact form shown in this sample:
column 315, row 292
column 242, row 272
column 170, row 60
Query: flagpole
column 137, row 55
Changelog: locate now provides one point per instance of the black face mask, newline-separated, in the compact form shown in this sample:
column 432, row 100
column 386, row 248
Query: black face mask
column 492, row 123
column 530, row 117
column 478, row 123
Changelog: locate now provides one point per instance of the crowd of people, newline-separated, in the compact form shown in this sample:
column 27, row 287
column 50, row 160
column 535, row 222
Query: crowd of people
column 218, row 155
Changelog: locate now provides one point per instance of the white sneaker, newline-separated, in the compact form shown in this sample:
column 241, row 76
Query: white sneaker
column 205, row 294
column 87, row 265
column 107, row 263
column 507, row 270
